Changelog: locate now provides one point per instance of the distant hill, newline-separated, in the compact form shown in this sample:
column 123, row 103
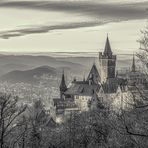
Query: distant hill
column 74, row 66
column 28, row 76
column 10, row 63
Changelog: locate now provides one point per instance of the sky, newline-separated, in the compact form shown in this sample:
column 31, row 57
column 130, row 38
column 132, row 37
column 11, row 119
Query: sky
column 71, row 25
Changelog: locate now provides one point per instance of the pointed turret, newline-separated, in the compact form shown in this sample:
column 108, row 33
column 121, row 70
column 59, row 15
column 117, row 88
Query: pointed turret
column 107, row 50
column 63, row 86
column 133, row 64
column 94, row 75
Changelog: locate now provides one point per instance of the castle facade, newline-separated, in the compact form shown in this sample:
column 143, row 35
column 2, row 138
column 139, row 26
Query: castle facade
column 102, row 86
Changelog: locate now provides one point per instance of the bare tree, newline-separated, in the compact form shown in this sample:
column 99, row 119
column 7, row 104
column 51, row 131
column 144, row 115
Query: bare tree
column 37, row 122
column 9, row 113
column 143, row 53
column 132, row 125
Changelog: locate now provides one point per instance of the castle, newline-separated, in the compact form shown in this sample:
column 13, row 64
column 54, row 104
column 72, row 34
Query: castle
column 103, row 84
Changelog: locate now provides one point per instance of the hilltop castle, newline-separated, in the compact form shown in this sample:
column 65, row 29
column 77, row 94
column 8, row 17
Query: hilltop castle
column 103, row 84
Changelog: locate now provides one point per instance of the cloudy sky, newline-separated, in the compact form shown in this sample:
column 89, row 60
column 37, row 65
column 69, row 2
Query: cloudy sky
column 71, row 25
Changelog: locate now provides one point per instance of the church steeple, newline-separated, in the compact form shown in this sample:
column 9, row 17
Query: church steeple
column 63, row 86
column 107, row 50
column 133, row 64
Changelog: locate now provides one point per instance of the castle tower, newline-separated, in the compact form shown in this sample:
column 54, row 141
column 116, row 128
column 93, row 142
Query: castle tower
column 107, row 62
column 133, row 64
column 63, row 86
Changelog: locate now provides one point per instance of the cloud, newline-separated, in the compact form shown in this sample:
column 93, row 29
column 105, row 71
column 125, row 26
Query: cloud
column 87, row 8
column 45, row 29
column 99, row 13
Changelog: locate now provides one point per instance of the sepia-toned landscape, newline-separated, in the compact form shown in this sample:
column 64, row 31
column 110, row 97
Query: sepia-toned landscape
column 73, row 74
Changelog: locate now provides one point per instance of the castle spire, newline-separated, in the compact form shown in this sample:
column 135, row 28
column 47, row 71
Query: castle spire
column 107, row 50
column 133, row 64
column 94, row 74
column 63, row 86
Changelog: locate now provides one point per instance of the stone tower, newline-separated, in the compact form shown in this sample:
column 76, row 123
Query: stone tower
column 107, row 63
column 63, row 86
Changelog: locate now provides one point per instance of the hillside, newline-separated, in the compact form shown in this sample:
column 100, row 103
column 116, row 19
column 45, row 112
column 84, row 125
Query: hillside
column 17, row 68
column 28, row 75
column 10, row 63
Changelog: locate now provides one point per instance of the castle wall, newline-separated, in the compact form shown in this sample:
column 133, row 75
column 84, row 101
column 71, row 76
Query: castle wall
column 82, row 102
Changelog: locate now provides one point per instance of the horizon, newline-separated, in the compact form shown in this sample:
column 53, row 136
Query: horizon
column 59, row 54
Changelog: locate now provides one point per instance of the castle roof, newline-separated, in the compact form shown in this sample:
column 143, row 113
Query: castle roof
column 94, row 75
column 107, row 50
column 82, row 88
